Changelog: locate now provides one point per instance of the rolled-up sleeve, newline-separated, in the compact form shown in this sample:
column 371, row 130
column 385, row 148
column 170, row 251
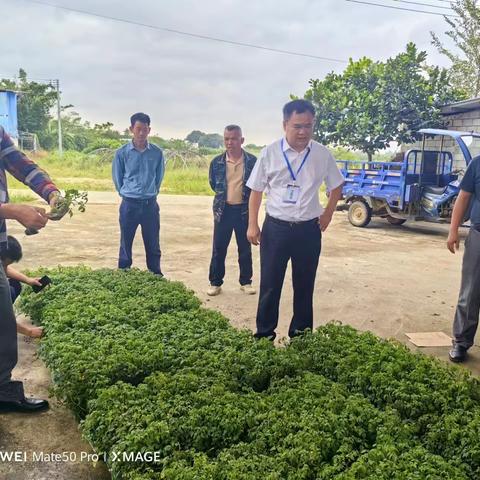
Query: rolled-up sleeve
column 258, row 179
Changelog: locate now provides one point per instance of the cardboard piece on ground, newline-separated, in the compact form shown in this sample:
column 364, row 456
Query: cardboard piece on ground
column 430, row 339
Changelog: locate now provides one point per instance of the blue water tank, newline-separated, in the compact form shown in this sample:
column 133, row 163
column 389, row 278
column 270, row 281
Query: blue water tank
column 8, row 112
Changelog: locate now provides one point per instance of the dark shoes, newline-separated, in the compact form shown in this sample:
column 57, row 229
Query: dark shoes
column 457, row 354
column 12, row 399
column 26, row 405
column 271, row 337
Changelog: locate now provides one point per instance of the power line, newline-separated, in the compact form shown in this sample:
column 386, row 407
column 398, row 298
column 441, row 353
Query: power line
column 403, row 8
column 422, row 4
column 16, row 78
column 188, row 34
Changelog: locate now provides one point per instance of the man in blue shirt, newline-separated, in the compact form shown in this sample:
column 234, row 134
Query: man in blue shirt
column 138, row 169
column 466, row 315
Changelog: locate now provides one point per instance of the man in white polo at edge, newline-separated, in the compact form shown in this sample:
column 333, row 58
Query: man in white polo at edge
column 291, row 171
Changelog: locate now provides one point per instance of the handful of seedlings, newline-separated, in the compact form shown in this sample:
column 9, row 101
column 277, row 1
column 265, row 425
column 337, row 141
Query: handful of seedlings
column 65, row 204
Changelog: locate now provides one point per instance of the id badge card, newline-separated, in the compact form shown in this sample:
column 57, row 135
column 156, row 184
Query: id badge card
column 292, row 193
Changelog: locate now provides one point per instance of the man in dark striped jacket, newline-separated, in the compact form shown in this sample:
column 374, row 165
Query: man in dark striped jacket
column 13, row 161
column 228, row 175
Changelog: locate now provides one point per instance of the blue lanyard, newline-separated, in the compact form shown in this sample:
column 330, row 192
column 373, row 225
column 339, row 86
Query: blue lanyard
column 290, row 169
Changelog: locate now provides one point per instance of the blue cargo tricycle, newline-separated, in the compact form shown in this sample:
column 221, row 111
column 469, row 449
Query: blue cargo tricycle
column 422, row 185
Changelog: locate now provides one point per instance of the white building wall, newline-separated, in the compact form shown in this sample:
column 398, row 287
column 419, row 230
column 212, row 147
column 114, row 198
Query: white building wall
column 463, row 122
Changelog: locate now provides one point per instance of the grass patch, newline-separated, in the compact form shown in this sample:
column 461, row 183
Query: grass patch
column 21, row 198
column 73, row 170
column 93, row 173
column 186, row 181
column 88, row 172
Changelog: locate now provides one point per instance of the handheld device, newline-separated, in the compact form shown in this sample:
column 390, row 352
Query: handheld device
column 45, row 280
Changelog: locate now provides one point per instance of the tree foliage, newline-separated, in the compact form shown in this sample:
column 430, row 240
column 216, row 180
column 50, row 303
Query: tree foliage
column 194, row 136
column 34, row 104
column 79, row 135
column 464, row 31
column 372, row 104
column 209, row 140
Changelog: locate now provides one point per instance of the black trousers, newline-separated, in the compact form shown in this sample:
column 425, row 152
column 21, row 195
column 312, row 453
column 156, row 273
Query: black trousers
column 232, row 220
column 9, row 390
column 280, row 242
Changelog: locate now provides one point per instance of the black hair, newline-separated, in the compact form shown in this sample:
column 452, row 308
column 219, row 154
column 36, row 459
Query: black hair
column 13, row 251
column 139, row 117
column 232, row 127
column 297, row 106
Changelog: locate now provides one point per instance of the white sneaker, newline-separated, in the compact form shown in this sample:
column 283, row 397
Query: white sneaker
column 248, row 289
column 213, row 290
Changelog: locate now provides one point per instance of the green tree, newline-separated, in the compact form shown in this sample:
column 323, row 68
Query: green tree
column 194, row 136
column 372, row 104
column 465, row 33
column 69, row 137
column 211, row 140
column 79, row 135
column 34, row 105
column 105, row 130
column 208, row 140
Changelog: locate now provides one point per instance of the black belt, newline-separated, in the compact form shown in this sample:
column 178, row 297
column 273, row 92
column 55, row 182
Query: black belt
column 285, row 222
column 234, row 205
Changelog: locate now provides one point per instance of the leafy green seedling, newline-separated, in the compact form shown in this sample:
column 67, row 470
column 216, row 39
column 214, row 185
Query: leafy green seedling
column 65, row 204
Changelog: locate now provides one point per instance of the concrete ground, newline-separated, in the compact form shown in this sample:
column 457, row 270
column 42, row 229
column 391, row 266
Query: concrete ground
column 390, row 280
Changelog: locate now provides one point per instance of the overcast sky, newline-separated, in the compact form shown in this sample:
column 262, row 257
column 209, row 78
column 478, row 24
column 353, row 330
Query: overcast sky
column 109, row 70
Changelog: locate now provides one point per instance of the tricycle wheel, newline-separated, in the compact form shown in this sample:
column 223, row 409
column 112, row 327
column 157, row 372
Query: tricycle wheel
column 395, row 221
column 359, row 213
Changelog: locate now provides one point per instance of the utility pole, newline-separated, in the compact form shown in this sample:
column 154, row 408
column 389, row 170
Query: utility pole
column 60, row 141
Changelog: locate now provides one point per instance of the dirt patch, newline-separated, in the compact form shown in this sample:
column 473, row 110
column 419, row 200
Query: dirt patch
column 390, row 280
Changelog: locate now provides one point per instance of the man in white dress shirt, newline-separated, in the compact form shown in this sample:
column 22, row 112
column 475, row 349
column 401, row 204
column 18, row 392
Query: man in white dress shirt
column 290, row 171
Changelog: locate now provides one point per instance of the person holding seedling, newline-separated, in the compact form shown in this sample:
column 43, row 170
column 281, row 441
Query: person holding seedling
column 12, row 397
column 290, row 171
column 228, row 175
column 137, row 170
